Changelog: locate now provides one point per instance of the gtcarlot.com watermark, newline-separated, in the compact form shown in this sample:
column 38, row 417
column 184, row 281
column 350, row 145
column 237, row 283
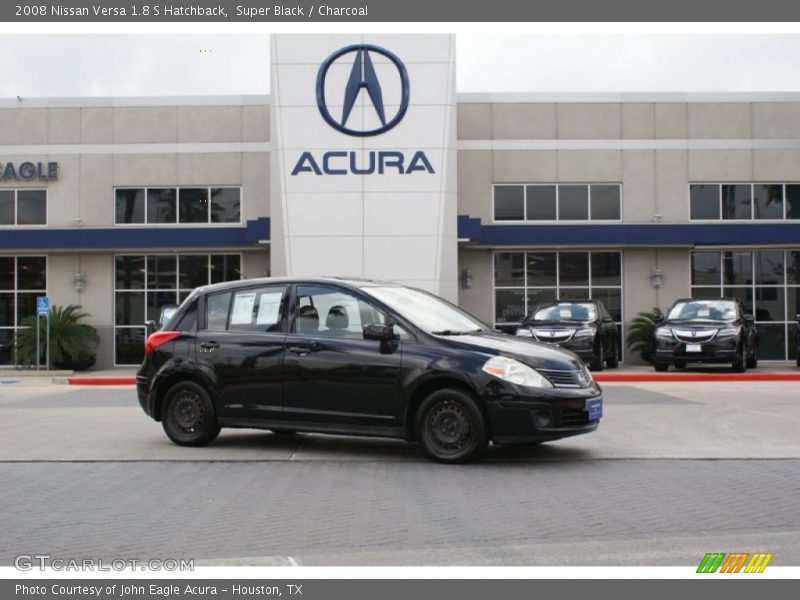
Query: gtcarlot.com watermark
column 43, row 562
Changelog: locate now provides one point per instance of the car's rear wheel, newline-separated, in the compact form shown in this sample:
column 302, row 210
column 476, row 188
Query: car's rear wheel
column 451, row 427
column 188, row 415
column 740, row 364
column 599, row 359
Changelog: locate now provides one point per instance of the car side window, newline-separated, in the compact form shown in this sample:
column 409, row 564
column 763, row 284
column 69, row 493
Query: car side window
column 258, row 309
column 333, row 312
column 188, row 322
column 217, row 306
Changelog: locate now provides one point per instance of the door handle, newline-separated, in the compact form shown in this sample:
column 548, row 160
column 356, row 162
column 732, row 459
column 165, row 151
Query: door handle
column 209, row 345
column 303, row 349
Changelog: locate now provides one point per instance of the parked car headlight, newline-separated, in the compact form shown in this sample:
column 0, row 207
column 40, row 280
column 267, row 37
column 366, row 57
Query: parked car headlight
column 524, row 332
column 585, row 332
column 664, row 333
column 727, row 332
column 514, row 371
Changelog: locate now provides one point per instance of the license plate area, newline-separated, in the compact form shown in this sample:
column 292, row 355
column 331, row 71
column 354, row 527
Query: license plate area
column 594, row 408
column 694, row 347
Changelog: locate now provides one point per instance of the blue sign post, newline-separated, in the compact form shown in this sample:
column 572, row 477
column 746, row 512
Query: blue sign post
column 43, row 310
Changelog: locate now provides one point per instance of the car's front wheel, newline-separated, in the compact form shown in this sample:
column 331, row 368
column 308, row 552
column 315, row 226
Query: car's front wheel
column 599, row 359
column 661, row 367
column 752, row 361
column 188, row 415
column 740, row 364
column 451, row 427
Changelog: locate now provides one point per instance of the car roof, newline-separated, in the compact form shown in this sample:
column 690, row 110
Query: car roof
column 356, row 282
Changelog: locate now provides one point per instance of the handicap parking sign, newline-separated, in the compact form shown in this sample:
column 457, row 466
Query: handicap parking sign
column 42, row 306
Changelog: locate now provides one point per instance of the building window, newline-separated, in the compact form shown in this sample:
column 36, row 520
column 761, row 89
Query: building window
column 196, row 205
column 22, row 279
column 557, row 202
column 143, row 284
column 23, row 207
column 524, row 279
column 767, row 283
column 744, row 201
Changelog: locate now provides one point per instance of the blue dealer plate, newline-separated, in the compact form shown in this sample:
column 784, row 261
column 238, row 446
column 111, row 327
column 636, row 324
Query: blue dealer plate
column 594, row 408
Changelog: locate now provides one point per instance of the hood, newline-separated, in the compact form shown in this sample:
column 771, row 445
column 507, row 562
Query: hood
column 534, row 354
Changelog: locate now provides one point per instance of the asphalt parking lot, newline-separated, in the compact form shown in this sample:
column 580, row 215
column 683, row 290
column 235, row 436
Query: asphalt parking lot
column 675, row 470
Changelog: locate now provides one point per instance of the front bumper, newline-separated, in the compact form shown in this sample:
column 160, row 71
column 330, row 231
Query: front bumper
column 519, row 416
column 718, row 350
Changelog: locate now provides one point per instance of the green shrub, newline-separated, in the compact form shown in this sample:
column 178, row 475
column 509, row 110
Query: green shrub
column 642, row 331
column 72, row 343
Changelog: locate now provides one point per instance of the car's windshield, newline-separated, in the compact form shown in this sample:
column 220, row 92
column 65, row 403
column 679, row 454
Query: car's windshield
column 426, row 311
column 707, row 310
column 565, row 311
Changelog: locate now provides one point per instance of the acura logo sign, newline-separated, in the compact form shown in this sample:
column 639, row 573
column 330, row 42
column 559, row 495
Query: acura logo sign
column 362, row 77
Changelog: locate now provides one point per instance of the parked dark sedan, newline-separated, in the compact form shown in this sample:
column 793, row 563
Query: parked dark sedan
column 797, row 339
column 706, row 331
column 583, row 326
column 358, row 358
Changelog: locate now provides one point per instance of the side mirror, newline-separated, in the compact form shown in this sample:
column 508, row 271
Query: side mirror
column 749, row 319
column 378, row 332
column 797, row 317
column 608, row 320
column 151, row 327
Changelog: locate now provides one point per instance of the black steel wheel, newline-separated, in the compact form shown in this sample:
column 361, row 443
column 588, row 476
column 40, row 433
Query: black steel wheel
column 451, row 427
column 188, row 415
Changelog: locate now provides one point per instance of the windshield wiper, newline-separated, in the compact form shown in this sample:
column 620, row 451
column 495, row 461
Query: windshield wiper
column 453, row 332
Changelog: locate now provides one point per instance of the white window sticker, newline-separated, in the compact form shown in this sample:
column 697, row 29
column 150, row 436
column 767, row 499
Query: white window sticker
column 269, row 308
column 242, row 313
column 565, row 313
column 704, row 312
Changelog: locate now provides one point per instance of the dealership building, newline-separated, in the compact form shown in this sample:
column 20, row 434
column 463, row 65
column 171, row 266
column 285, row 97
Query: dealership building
column 365, row 161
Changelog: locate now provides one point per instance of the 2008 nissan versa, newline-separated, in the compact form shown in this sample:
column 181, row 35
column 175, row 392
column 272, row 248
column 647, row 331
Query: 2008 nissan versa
column 357, row 357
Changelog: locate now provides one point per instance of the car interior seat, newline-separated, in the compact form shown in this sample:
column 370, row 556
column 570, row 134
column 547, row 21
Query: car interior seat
column 307, row 320
column 337, row 321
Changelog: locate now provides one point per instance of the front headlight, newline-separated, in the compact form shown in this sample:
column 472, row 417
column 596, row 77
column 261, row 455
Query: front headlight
column 585, row 332
column 664, row 333
column 727, row 332
column 514, row 371
column 524, row 332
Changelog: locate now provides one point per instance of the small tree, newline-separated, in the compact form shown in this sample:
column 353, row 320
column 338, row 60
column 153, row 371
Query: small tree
column 641, row 333
column 72, row 343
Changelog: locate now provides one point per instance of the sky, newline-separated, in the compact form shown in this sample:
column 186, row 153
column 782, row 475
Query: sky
column 218, row 64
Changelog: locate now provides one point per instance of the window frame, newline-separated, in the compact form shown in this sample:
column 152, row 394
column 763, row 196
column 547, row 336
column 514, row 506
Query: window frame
column 752, row 218
column 16, row 290
column 557, row 185
column 16, row 222
column 146, row 289
column 178, row 223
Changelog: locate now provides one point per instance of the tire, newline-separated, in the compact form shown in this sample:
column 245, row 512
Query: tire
column 680, row 365
column 798, row 361
column 613, row 360
column 600, row 359
column 661, row 367
column 740, row 365
column 188, row 416
column 450, row 427
column 752, row 361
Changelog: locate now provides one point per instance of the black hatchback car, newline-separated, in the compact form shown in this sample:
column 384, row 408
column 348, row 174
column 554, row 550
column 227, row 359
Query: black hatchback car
column 706, row 331
column 357, row 357
column 583, row 326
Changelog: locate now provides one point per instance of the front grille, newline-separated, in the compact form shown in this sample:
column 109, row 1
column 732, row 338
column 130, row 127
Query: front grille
column 694, row 336
column 574, row 379
column 553, row 335
column 574, row 417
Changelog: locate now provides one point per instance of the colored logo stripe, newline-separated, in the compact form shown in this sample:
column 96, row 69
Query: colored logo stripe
column 734, row 562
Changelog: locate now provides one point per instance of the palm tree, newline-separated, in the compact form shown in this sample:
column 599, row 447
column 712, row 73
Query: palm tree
column 641, row 333
column 71, row 343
